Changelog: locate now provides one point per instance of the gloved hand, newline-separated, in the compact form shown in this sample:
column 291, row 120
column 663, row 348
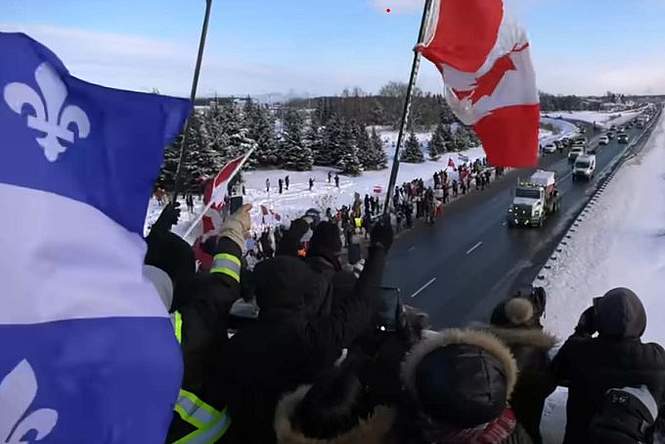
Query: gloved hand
column 586, row 325
column 382, row 234
column 168, row 218
column 237, row 226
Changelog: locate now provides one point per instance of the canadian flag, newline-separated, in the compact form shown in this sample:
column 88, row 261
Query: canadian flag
column 215, row 191
column 489, row 79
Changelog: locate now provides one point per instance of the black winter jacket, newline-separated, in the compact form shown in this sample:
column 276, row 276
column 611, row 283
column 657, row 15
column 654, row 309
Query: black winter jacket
column 616, row 358
column 204, row 337
column 286, row 349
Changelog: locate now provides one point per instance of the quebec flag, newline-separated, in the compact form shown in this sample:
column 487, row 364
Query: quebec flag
column 87, row 352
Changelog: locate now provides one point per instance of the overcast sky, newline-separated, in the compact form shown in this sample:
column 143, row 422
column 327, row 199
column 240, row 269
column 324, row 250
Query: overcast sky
column 322, row 46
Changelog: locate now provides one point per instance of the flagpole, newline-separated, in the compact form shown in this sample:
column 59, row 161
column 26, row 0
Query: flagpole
column 192, row 96
column 407, row 109
column 212, row 196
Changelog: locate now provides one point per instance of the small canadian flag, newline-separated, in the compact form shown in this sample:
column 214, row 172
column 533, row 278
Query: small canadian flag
column 488, row 75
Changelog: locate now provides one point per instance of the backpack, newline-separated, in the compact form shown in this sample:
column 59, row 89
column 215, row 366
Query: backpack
column 626, row 416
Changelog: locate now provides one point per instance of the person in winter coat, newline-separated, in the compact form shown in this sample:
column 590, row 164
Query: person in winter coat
column 334, row 410
column 325, row 249
column 289, row 347
column 200, row 308
column 530, row 346
column 590, row 366
column 458, row 388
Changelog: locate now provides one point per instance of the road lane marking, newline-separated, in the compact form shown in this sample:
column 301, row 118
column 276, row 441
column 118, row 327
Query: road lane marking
column 421, row 289
column 474, row 248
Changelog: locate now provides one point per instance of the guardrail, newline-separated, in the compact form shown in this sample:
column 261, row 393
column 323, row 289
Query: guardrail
column 606, row 176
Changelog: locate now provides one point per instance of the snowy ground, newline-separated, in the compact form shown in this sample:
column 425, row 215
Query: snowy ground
column 620, row 242
column 601, row 118
column 293, row 203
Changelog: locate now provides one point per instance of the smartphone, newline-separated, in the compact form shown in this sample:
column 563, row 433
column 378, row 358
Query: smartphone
column 388, row 317
column 235, row 203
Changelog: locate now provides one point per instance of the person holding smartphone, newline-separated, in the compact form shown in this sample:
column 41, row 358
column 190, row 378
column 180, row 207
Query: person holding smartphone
column 605, row 352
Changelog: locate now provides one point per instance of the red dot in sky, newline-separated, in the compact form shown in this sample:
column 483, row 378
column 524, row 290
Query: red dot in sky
column 388, row 10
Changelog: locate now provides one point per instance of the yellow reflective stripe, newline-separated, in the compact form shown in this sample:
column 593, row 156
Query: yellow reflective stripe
column 178, row 326
column 228, row 257
column 227, row 264
column 209, row 434
column 227, row 272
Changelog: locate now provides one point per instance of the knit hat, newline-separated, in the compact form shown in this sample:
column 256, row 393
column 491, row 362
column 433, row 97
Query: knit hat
column 519, row 311
column 461, row 378
column 282, row 284
column 326, row 241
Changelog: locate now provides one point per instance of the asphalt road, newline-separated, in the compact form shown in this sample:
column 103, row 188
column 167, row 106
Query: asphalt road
column 460, row 268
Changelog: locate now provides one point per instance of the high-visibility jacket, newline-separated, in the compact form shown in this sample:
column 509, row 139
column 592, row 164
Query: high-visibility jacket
column 209, row 423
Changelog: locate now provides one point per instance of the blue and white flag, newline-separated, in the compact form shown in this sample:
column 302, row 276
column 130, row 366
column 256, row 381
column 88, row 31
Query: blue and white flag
column 87, row 352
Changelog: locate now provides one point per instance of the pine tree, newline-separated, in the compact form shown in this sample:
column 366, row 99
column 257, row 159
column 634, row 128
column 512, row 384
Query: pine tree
column 348, row 162
column 313, row 140
column 435, row 146
column 261, row 128
column 363, row 144
column 295, row 155
column 328, row 152
column 227, row 134
column 198, row 161
column 412, row 152
column 378, row 158
column 443, row 138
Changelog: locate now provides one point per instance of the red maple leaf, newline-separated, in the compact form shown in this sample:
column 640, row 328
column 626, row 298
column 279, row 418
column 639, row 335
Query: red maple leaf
column 487, row 83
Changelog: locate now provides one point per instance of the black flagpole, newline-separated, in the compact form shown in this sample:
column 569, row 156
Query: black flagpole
column 192, row 96
column 407, row 109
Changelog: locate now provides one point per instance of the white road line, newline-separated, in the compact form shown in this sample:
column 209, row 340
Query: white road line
column 420, row 290
column 474, row 248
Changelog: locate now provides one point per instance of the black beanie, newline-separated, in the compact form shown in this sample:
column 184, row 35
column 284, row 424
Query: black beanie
column 326, row 241
column 333, row 406
column 461, row 385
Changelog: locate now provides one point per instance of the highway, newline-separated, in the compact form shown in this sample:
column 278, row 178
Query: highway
column 460, row 268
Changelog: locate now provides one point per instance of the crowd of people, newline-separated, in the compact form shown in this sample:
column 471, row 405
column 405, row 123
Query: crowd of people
column 322, row 360
column 428, row 202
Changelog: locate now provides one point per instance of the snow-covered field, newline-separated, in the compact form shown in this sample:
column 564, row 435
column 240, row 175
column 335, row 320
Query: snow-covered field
column 294, row 202
column 620, row 242
column 601, row 118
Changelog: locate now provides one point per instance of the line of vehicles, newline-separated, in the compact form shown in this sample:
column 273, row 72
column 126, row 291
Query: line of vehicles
column 536, row 198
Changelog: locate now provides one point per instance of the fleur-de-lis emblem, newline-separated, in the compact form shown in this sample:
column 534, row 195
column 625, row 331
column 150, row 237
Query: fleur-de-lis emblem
column 17, row 391
column 48, row 113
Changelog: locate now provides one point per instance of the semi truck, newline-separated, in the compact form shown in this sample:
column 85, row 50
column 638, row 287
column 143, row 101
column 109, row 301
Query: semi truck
column 534, row 201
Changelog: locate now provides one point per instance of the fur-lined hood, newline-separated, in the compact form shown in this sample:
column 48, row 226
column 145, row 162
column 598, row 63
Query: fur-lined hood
column 374, row 430
column 482, row 339
column 525, row 337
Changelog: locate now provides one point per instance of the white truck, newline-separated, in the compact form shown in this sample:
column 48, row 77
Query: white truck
column 584, row 167
column 535, row 199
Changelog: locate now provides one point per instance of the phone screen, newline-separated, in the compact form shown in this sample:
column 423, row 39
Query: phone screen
column 236, row 203
column 388, row 318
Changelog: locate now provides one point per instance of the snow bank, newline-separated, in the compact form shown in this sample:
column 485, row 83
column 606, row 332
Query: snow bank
column 620, row 242
column 601, row 118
